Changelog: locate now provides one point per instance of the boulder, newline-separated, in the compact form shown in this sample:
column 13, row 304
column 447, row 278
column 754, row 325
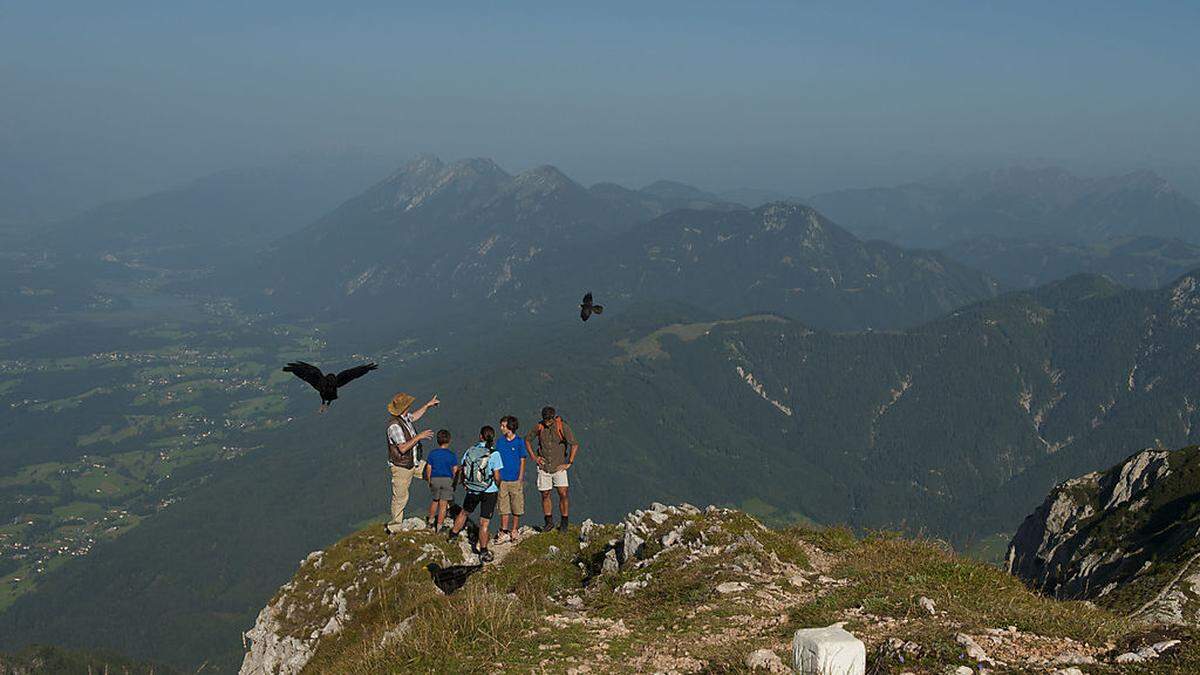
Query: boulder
column 828, row 651
column 765, row 659
column 732, row 587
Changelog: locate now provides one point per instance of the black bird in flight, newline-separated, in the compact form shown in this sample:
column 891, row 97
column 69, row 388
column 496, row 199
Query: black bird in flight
column 587, row 308
column 327, row 383
column 450, row 579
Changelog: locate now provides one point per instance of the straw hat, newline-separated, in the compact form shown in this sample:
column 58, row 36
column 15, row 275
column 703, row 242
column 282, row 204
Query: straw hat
column 400, row 404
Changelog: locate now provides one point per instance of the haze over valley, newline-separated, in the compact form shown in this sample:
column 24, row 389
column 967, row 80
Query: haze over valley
column 845, row 282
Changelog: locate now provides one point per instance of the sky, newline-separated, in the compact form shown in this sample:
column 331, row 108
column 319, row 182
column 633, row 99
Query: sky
column 117, row 98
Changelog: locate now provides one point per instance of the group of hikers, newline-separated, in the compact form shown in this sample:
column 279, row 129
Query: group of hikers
column 492, row 471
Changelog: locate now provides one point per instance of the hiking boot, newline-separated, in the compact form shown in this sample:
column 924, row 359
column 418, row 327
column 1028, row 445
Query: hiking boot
column 452, row 537
column 562, row 524
column 486, row 556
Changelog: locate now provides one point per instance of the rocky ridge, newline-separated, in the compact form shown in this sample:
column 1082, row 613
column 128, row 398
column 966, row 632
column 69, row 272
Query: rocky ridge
column 674, row 589
column 1124, row 538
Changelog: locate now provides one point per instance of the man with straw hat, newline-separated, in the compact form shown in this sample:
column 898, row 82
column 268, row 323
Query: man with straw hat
column 404, row 451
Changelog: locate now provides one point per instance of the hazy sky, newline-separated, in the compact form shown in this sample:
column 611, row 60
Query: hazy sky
column 797, row 97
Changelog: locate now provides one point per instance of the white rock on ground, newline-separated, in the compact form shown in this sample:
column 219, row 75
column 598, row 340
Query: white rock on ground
column 828, row 651
column 270, row 653
column 927, row 605
column 765, row 659
column 409, row 524
column 972, row 648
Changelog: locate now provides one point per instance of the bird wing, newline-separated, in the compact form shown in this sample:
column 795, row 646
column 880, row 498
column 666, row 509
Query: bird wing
column 597, row 309
column 305, row 371
column 345, row 376
column 587, row 298
column 457, row 572
column 585, row 312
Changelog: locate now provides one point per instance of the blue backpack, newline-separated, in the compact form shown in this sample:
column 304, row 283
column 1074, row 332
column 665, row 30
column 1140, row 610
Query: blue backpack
column 475, row 472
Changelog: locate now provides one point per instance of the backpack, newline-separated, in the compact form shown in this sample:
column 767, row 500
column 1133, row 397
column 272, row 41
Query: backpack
column 557, row 427
column 475, row 473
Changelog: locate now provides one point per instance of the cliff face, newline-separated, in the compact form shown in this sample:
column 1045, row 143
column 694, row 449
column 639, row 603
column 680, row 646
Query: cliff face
column 1125, row 538
column 674, row 589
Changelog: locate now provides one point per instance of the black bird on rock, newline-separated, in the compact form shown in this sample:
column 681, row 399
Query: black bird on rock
column 327, row 383
column 587, row 308
column 450, row 579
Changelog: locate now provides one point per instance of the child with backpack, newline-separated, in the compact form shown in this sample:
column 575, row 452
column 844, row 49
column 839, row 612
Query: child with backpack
column 479, row 472
column 441, row 466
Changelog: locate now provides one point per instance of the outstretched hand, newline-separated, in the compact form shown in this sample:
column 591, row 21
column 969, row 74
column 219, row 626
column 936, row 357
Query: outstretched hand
column 433, row 402
column 425, row 435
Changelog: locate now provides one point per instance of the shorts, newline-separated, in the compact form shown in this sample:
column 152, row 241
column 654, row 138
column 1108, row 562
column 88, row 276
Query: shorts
column 548, row 480
column 441, row 488
column 512, row 498
column 486, row 501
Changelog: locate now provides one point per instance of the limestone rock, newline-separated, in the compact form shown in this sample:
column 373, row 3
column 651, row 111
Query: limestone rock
column 974, row 651
column 765, row 659
column 610, row 564
column 828, row 651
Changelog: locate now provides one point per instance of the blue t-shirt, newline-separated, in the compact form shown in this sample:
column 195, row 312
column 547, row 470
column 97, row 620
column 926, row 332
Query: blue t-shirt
column 441, row 463
column 512, row 452
column 494, row 463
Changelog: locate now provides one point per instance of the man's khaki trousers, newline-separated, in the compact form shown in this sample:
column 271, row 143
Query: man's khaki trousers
column 401, row 481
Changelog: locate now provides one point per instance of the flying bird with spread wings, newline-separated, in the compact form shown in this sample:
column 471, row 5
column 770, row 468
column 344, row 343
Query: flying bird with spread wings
column 587, row 308
column 327, row 383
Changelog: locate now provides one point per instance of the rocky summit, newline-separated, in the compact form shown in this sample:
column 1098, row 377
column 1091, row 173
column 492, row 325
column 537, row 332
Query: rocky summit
column 683, row 589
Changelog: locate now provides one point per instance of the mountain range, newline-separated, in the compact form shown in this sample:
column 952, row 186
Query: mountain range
column 218, row 216
column 1141, row 262
column 719, row 374
column 468, row 234
column 1017, row 203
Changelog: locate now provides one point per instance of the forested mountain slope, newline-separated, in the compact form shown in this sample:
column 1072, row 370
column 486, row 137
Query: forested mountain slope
column 958, row 427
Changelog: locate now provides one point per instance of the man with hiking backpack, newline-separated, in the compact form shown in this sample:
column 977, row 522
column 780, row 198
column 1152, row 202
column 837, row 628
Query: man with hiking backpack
column 556, row 448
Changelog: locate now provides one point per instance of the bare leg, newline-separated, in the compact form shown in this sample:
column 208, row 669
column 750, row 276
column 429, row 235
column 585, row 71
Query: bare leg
column 483, row 533
column 433, row 510
column 564, row 502
column 459, row 521
column 547, row 505
column 515, row 526
column 441, row 513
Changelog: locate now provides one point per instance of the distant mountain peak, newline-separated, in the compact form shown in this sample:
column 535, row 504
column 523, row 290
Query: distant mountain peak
column 423, row 163
column 676, row 190
column 543, row 179
column 474, row 166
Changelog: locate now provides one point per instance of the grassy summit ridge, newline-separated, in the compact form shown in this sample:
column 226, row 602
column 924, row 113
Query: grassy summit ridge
column 677, row 589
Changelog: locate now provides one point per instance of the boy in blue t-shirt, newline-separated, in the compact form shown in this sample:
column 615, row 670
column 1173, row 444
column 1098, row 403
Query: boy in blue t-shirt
column 512, row 478
column 441, row 467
